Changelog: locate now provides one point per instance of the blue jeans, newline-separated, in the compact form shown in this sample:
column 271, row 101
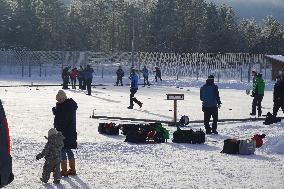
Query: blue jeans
column 67, row 153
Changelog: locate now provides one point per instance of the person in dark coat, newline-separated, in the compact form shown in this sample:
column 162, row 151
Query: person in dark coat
column 278, row 96
column 158, row 74
column 89, row 78
column 65, row 122
column 52, row 155
column 145, row 75
column 133, row 89
column 209, row 95
column 84, row 80
column 119, row 76
column 80, row 77
column 65, row 77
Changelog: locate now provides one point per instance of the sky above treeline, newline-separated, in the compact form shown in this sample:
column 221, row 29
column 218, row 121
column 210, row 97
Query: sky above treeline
column 257, row 9
column 248, row 9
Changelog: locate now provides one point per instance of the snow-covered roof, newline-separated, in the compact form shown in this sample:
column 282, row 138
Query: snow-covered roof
column 279, row 58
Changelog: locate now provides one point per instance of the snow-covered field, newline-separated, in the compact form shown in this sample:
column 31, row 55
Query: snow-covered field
column 109, row 162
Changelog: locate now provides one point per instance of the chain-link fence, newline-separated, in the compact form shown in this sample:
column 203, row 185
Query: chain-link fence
column 227, row 66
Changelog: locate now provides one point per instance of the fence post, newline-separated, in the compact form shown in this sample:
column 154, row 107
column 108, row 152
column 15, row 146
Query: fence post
column 27, row 59
column 265, row 67
column 219, row 67
column 197, row 71
column 39, row 66
column 102, row 71
column 45, row 69
column 249, row 70
column 23, row 68
column 241, row 73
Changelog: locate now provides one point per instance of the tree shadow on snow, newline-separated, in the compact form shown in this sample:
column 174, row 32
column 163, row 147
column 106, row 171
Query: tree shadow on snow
column 203, row 147
column 78, row 184
column 257, row 157
column 148, row 112
column 117, row 137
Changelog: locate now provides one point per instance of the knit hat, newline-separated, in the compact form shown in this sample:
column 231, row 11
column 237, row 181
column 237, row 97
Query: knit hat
column 211, row 77
column 52, row 131
column 61, row 95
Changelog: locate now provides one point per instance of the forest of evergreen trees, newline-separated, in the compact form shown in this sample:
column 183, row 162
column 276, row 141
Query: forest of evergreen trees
column 159, row 25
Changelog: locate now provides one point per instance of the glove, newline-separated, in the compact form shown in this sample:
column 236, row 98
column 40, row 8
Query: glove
column 38, row 157
column 53, row 110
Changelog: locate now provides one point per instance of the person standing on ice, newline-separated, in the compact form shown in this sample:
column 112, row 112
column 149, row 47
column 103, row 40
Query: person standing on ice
column 133, row 89
column 52, row 155
column 257, row 93
column 80, row 76
column 158, row 74
column 65, row 77
column 119, row 76
column 209, row 95
column 65, row 122
column 278, row 95
column 73, row 76
column 145, row 75
column 89, row 78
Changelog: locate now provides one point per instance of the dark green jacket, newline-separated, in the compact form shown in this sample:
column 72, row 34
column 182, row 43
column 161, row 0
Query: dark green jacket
column 260, row 86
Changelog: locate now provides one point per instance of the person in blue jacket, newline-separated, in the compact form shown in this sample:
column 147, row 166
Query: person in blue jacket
column 89, row 78
column 209, row 95
column 145, row 75
column 133, row 89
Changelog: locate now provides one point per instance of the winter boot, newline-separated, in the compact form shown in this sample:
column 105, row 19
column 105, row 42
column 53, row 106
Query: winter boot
column 215, row 132
column 64, row 172
column 44, row 181
column 56, row 181
column 208, row 131
column 72, row 170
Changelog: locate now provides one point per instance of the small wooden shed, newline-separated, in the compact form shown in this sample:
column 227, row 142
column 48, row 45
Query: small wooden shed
column 277, row 62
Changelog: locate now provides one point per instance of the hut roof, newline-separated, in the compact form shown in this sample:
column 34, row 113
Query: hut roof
column 279, row 58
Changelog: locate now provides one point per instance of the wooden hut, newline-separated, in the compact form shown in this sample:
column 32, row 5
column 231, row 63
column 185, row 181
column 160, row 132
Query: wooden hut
column 277, row 62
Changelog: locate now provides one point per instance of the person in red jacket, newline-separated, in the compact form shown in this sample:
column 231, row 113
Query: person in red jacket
column 258, row 140
column 73, row 75
column 6, row 175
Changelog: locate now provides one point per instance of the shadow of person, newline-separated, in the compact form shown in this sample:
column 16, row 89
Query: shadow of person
column 78, row 184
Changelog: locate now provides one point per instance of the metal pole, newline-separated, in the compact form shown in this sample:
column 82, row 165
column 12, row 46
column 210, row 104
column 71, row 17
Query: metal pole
column 175, row 111
column 133, row 35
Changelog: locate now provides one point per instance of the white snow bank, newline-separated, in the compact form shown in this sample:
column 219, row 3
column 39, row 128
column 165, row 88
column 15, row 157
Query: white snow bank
column 279, row 147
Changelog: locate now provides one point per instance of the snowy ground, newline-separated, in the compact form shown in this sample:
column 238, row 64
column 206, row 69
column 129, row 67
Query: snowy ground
column 109, row 162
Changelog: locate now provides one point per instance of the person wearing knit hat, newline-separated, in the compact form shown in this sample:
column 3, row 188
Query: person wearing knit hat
column 51, row 132
column 52, row 155
column 61, row 96
column 65, row 122
column 209, row 95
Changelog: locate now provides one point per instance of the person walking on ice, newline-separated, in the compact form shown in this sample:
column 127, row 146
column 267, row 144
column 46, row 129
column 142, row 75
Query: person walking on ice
column 52, row 155
column 209, row 95
column 133, row 89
